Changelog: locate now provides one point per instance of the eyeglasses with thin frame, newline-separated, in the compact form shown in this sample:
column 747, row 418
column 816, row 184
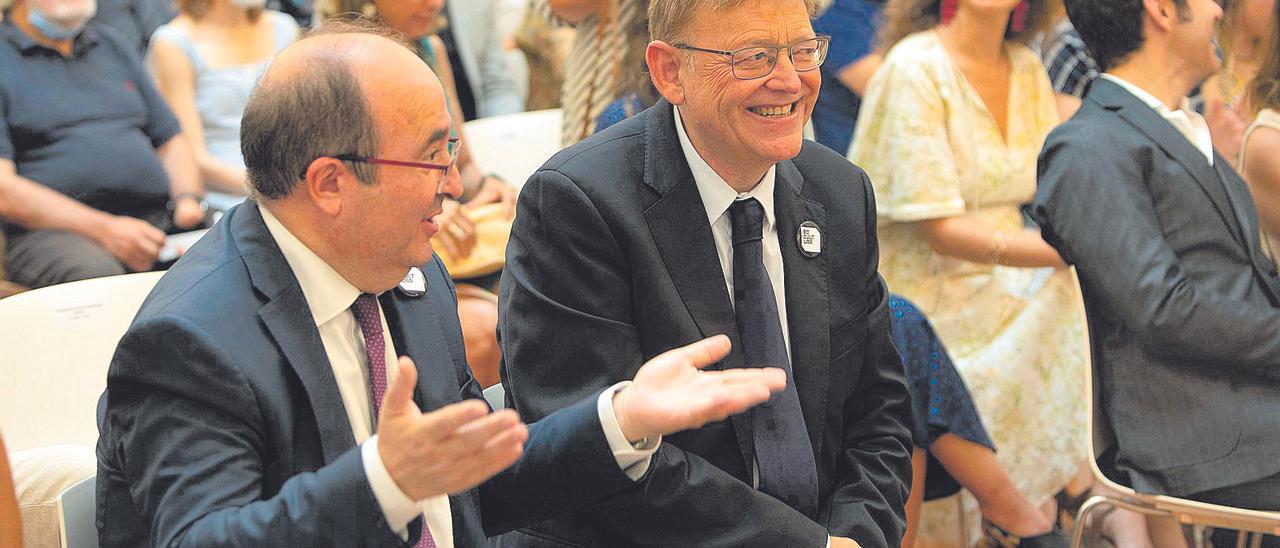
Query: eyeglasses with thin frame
column 455, row 144
column 754, row 62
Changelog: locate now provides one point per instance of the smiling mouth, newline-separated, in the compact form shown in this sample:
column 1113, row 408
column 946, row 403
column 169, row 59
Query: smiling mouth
column 774, row 112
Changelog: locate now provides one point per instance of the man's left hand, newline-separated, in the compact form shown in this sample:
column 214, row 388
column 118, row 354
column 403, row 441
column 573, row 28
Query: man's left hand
column 187, row 213
column 671, row 393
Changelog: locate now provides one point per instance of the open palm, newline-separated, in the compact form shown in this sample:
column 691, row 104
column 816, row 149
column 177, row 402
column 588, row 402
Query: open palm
column 671, row 392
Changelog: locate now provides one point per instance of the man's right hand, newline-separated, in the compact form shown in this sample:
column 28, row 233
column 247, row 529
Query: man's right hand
column 134, row 241
column 446, row 451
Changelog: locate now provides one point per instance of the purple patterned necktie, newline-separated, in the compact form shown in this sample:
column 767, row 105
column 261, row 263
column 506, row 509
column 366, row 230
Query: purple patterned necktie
column 375, row 347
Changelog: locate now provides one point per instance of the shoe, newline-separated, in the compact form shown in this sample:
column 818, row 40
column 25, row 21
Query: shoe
column 1004, row 539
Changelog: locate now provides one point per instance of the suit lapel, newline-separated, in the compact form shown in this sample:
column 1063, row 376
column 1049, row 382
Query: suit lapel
column 678, row 223
column 808, row 323
column 418, row 333
column 288, row 319
column 1159, row 130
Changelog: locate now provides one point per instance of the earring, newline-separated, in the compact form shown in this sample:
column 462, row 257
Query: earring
column 1019, row 18
column 947, row 11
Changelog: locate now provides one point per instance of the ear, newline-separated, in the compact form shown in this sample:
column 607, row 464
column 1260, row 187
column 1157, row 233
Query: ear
column 323, row 184
column 1163, row 14
column 664, row 68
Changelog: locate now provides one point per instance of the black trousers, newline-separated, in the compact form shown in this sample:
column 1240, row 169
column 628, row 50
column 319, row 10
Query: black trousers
column 1263, row 494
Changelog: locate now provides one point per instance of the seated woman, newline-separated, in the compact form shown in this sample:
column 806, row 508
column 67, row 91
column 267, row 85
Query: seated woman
column 1259, row 160
column 953, row 449
column 418, row 22
column 207, row 61
column 949, row 132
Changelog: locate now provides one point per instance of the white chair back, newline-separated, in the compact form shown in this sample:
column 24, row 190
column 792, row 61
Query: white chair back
column 513, row 146
column 76, row 515
column 57, row 342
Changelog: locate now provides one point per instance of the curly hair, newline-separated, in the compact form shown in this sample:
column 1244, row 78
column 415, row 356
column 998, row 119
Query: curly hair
column 1264, row 90
column 905, row 17
column 1112, row 29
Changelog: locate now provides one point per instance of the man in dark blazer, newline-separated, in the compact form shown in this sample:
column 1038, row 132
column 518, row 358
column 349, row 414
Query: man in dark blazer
column 256, row 399
column 1183, row 304
column 622, row 246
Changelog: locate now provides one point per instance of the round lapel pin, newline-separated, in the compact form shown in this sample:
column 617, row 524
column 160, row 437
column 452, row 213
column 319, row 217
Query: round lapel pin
column 414, row 283
column 809, row 238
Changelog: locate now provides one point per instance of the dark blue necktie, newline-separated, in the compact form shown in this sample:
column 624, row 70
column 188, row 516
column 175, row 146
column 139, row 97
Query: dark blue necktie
column 784, row 455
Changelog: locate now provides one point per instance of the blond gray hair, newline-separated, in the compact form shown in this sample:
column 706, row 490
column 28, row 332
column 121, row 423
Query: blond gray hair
column 669, row 20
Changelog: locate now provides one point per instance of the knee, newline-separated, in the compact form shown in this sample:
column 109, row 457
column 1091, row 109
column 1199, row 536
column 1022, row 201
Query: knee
column 60, row 257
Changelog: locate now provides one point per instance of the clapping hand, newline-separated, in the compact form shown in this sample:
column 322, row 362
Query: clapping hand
column 672, row 393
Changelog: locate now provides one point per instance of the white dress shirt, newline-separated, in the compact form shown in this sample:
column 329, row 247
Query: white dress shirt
column 1186, row 120
column 717, row 196
column 329, row 296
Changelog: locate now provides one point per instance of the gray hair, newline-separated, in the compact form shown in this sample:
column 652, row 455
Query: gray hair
column 317, row 110
column 669, row 20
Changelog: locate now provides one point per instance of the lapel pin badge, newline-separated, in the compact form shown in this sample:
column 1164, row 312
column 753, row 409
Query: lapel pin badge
column 809, row 237
column 414, row 283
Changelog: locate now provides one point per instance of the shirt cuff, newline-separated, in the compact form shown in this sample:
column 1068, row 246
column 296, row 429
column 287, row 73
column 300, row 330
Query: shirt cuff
column 632, row 459
column 397, row 508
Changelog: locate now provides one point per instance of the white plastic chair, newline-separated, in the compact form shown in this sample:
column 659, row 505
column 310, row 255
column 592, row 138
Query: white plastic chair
column 1186, row 512
column 76, row 515
column 57, row 342
column 513, row 146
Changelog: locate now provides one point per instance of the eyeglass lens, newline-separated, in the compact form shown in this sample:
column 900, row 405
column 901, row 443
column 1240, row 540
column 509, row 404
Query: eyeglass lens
column 759, row 61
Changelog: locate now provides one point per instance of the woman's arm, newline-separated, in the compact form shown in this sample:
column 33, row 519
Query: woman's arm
column 975, row 241
column 175, row 79
column 1262, row 172
column 859, row 73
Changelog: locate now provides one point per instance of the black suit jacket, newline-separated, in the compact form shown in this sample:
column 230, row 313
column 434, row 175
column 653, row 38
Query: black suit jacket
column 1182, row 303
column 612, row 262
column 224, row 425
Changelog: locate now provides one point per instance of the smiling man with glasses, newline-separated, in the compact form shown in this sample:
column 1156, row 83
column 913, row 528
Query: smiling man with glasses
column 706, row 214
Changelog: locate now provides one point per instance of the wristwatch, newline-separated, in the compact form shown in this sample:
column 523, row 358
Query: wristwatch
column 199, row 198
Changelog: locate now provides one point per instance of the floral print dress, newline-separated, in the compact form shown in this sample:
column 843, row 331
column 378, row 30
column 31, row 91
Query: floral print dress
column 1016, row 335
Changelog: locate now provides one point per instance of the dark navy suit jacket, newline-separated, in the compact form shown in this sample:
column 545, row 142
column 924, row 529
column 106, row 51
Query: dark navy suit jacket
column 612, row 261
column 223, row 423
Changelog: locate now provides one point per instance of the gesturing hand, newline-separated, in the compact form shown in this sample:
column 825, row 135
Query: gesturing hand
column 448, row 450
column 671, row 393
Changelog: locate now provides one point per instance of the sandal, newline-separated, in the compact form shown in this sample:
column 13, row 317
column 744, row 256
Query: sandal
column 1004, row 539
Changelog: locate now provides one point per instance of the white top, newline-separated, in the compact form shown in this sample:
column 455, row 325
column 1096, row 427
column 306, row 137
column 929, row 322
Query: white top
column 1186, row 120
column 330, row 296
column 717, row 196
